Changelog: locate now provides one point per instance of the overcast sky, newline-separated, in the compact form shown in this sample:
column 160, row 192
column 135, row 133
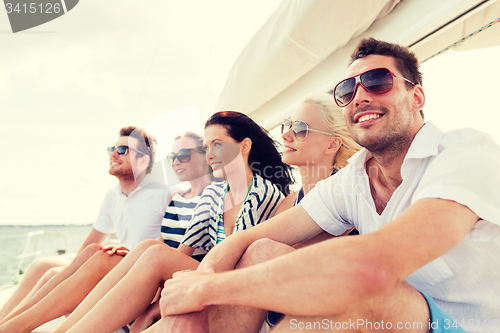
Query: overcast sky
column 68, row 86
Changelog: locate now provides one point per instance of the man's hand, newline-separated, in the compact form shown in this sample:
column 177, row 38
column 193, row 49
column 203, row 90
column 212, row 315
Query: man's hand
column 179, row 295
column 119, row 250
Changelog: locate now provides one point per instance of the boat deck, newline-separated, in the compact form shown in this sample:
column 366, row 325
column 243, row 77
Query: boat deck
column 46, row 328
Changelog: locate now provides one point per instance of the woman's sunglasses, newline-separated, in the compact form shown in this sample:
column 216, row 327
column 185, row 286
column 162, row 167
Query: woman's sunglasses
column 377, row 81
column 123, row 150
column 299, row 128
column 184, row 155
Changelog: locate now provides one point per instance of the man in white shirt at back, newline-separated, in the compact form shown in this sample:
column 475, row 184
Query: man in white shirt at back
column 134, row 210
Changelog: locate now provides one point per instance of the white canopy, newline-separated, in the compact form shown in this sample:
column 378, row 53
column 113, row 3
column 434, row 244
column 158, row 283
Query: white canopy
column 305, row 45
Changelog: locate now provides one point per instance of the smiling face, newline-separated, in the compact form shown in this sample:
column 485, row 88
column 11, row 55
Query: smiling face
column 222, row 149
column 196, row 167
column 312, row 149
column 379, row 121
column 123, row 166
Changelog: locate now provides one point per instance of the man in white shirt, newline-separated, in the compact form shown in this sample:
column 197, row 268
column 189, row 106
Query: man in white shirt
column 426, row 204
column 134, row 210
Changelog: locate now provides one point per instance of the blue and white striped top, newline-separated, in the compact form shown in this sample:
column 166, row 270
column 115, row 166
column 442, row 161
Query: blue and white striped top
column 176, row 220
column 261, row 203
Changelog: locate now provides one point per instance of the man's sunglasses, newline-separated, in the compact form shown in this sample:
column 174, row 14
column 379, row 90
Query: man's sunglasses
column 299, row 128
column 184, row 155
column 123, row 150
column 377, row 81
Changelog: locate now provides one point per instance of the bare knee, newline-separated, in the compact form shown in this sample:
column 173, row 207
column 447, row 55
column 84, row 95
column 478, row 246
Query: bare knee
column 49, row 274
column 41, row 266
column 263, row 250
column 146, row 244
column 90, row 249
column 102, row 262
column 157, row 253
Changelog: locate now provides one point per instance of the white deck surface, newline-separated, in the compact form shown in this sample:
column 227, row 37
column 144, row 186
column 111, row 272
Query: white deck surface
column 46, row 328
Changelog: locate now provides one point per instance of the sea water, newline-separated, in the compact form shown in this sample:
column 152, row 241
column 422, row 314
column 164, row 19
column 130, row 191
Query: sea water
column 13, row 242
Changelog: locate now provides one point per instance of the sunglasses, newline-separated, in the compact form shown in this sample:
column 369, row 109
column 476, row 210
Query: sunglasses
column 123, row 150
column 299, row 128
column 377, row 81
column 184, row 155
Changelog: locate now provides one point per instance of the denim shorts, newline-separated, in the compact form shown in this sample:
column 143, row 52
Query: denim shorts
column 440, row 321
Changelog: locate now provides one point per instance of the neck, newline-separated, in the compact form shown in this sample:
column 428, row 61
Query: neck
column 389, row 161
column 129, row 184
column 239, row 181
column 386, row 174
column 310, row 174
column 197, row 186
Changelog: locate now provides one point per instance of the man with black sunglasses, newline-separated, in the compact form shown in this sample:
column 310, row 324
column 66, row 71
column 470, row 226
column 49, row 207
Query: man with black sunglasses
column 134, row 210
column 427, row 207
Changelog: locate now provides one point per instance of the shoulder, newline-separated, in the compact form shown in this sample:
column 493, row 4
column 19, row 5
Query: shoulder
column 467, row 138
column 213, row 192
column 287, row 203
column 263, row 188
column 113, row 195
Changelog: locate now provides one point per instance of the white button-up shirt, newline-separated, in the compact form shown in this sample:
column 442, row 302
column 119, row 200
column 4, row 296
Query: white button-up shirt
column 135, row 217
column 461, row 165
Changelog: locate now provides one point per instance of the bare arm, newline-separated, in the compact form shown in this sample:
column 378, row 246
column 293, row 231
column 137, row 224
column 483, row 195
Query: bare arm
column 287, row 203
column 352, row 269
column 290, row 227
column 187, row 250
column 94, row 236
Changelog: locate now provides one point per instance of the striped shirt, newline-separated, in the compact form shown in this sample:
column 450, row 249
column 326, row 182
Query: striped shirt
column 260, row 205
column 176, row 220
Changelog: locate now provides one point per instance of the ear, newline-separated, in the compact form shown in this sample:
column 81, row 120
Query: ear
column 143, row 162
column 334, row 145
column 245, row 146
column 418, row 98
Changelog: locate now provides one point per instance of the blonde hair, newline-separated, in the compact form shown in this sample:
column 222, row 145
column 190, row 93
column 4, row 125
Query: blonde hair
column 331, row 117
column 198, row 139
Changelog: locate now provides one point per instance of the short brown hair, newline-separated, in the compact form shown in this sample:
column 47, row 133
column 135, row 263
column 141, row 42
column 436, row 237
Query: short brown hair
column 147, row 142
column 406, row 61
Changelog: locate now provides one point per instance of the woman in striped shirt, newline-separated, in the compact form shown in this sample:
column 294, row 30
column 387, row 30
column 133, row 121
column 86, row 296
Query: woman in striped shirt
column 189, row 164
column 255, row 183
column 255, row 179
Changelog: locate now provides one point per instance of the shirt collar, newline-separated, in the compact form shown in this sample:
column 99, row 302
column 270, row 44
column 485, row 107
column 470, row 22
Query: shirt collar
column 425, row 144
column 147, row 180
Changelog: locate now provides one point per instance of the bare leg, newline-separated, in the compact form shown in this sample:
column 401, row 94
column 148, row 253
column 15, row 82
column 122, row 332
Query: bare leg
column 33, row 274
column 402, row 306
column 131, row 296
column 234, row 319
column 192, row 322
column 45, row 289
column 66, row 296
column 228, row 318
column 148, row 317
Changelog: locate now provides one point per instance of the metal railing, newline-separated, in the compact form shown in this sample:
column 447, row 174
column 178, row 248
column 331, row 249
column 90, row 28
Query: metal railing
column 31, row 248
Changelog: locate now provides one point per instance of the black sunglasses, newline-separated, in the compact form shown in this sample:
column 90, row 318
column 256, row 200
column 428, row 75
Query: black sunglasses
column 300, row 129
column 377, row 81
column 184, row 155
column 123, row 150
